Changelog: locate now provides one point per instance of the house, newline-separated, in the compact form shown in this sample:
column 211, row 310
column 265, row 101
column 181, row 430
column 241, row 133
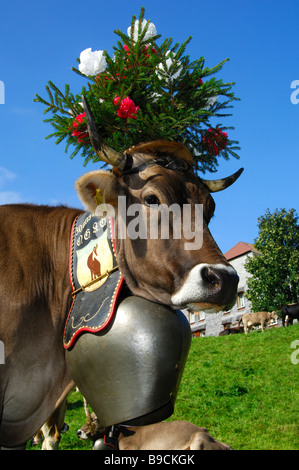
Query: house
column 211, row 324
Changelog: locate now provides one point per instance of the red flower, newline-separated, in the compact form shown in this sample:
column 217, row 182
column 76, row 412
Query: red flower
column 153, row 50
column 214, row 141
column 120, row 77
column 76, row 128
column 126, row 48
column 78, row 119
column 127, row 108
column 145, row 51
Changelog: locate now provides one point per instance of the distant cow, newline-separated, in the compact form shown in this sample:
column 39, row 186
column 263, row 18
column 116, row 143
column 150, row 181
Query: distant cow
column 231, row 331
column 257, row 318
column 289, row 313
column 172, row 435
column 91, row 430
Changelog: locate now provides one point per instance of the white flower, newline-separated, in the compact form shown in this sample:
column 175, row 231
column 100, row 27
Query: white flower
column 92, row 63
column 165, row 72
column 155, row 97
column 210, row 102
column 151, row 30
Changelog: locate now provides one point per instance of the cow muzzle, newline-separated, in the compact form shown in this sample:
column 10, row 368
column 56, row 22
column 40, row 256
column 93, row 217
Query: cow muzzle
column 208, row 287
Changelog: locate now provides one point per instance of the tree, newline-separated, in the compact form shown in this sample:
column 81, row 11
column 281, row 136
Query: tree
column 275, row 273
column 148, row 89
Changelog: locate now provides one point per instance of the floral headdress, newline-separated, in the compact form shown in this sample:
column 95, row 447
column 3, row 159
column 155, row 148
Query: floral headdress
column 145, row 91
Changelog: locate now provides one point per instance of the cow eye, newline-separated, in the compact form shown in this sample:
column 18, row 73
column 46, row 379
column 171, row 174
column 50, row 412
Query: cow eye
column 151, row 199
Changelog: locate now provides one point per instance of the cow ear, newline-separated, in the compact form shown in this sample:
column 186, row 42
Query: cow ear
column 97, row 187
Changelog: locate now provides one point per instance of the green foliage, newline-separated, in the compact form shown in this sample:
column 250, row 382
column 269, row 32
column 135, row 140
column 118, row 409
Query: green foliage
column 275, row 274
column 177, row 98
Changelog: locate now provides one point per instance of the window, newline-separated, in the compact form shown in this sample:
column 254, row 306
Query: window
column 198, row 334
column 196, row 316
column 191, row 317
column 201, row 316
column 241, row 300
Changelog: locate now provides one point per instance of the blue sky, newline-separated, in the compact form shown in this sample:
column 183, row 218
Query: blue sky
column 40, row 41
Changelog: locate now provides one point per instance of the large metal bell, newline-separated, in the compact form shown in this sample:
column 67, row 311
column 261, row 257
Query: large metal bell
column 130, row 372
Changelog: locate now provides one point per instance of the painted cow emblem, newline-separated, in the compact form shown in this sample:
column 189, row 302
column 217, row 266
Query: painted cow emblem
column 94, row 264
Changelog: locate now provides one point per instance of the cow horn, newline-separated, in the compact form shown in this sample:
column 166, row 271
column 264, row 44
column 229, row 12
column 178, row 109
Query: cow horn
column 218, row 185
column 89, row 422
column 106, row 154
column 87, row 412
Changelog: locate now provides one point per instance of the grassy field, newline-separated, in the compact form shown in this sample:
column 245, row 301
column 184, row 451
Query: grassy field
column 243, row 389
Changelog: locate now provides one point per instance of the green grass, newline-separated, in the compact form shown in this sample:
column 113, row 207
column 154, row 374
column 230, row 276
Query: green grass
column 243, row 389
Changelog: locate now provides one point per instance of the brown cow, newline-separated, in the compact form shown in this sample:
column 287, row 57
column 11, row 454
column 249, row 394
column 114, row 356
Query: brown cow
column 257, row 318
column 35, row 292
column 165, row 435
column 170, row 435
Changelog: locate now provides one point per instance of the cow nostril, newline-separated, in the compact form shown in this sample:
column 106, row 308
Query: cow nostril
column 210, row 276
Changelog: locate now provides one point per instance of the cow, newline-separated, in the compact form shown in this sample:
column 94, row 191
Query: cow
column 35, row 291
column 169, row 435
column 165, row 435
column 289, row 313
column 91, row 429
column 257, row 318
column 231, row 331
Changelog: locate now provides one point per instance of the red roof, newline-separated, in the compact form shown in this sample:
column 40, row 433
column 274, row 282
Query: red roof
column 240, row 249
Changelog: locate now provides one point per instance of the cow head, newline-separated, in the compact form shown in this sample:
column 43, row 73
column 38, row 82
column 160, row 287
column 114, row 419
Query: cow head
column 163, row 269
column 92, row 429
column 273, row 316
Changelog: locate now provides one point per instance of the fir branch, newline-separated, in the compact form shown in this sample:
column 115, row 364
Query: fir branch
column 177, row 99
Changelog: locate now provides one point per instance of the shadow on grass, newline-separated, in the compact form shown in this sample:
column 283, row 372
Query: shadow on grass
column 74, row 405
